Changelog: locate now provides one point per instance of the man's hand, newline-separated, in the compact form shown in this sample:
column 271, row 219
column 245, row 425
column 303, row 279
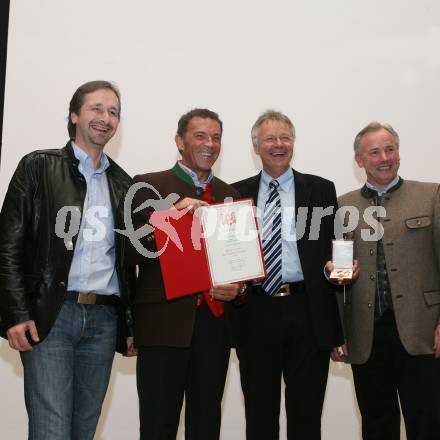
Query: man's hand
column 131, row 350
column 190, row 204
column 225, row 292
column 17, row 336
column 437, row 342
column 356, row 269
column 339, row 354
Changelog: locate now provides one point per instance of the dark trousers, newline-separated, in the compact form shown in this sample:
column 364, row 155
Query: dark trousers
column 165, row 375
column 281, row 343
column 392, row 374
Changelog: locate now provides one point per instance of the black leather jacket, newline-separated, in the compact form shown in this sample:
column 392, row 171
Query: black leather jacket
column 34, row 261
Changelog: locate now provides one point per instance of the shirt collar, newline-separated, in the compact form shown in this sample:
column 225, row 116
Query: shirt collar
column 86, row 163
column 384, row 190
column 197, row 182
column 286, row 180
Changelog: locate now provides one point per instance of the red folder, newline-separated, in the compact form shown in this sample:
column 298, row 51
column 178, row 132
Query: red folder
column 184, row 265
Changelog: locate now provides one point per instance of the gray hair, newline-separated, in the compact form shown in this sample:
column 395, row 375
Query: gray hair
column 374, row 126
column 270, row 115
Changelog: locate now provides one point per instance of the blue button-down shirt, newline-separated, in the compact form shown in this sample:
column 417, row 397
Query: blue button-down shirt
column 93, row 266
column 386, row 189
column 291, row 265
column 197, row 182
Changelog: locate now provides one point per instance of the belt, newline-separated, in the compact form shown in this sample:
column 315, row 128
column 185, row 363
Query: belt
column 285, row 289
column 92, row 298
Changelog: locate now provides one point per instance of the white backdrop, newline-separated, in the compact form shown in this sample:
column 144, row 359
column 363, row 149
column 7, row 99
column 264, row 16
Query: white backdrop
column 331, row 66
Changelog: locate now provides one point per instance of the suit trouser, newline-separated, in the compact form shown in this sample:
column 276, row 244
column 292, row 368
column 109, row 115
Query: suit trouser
column 165, row 375
column 281, row 344
column 391, row 374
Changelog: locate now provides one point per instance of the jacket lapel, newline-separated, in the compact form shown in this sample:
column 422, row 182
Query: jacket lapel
column 252, row 187
column 302, row 191
column 302, row 200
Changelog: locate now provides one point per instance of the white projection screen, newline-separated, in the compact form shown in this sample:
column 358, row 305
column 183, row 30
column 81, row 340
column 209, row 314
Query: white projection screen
column 331, row 66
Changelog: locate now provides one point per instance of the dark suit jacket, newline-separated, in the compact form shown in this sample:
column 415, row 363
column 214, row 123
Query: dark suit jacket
column 311, row 192
column 156, row 320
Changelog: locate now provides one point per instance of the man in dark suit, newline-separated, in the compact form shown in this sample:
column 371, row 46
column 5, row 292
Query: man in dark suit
column 290, row 322
column 183, row 344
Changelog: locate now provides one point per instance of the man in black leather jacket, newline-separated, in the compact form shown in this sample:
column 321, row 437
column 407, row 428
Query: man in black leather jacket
column 64, row 294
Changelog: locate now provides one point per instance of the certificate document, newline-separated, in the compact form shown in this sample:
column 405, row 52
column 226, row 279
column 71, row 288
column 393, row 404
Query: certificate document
column 232, row 242
column 221, row 245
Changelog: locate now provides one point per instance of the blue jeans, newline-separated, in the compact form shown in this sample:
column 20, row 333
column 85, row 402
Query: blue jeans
column 66, row 376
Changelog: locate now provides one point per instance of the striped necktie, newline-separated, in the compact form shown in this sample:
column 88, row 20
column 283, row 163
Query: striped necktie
column 272, row 240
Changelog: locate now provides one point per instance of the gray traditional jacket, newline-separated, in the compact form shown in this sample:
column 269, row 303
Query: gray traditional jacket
column 411, row 244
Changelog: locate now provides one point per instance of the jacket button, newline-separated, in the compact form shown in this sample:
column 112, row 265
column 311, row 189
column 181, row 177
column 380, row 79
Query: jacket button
column 62, row 284
column 370, row 305
column 371, row 252
column 372, row 277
